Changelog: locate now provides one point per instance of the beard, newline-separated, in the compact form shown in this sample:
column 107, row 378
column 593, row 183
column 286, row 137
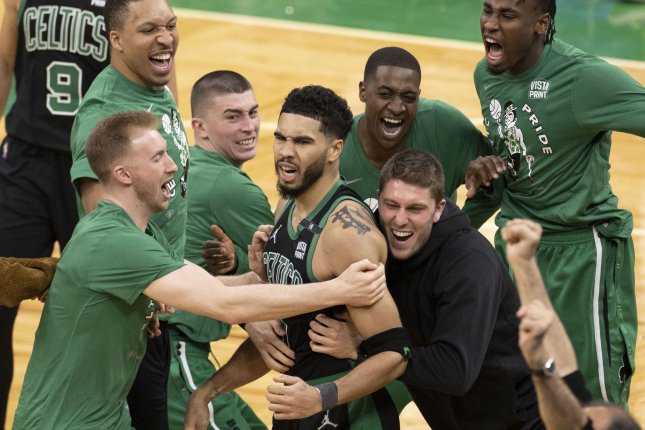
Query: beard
column 149, row 195
column 309, row 177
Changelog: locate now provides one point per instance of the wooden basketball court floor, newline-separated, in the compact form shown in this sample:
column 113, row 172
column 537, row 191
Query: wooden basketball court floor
column 277, row 56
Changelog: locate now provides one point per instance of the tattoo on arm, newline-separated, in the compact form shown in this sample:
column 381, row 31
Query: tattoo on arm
column 349, row 218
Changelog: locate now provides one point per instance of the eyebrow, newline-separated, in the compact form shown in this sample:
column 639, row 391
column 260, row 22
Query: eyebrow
column 240, row 110
column 160, row 152
column 299, row 138
column 155, row 24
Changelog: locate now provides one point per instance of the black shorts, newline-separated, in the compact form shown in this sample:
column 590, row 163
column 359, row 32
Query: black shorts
column 37, row 200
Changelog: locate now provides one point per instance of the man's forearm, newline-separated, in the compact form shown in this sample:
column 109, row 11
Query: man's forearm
column 559, row 409
column 370, row 375
column 245, row 366
column 529, row 281
column 239, row 280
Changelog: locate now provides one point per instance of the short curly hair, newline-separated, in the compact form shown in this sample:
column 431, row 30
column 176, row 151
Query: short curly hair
column 323, row 105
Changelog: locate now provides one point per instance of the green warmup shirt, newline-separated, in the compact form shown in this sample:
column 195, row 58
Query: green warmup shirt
column 553, row 126
column 92, row 334
column 110, row 93
column 439, row 129
column 220, row 194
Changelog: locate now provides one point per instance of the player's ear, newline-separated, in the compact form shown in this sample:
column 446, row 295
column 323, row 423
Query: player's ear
column 121, row 174
column 439, row 210
column 198, row 127
column 115, row 40
column 542, row 24
column 335, row 148
column 361, row 91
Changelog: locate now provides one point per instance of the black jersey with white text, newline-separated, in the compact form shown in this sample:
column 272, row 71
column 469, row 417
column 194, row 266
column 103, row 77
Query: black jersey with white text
column 62, row 46
column 288, row 259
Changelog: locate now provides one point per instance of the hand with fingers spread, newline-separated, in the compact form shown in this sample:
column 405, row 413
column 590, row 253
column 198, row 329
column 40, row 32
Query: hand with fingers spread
column 293, row 398
column 481, row 171
column 336, row 337
column 266, row 337
column 362, row 283
column 256, row 249
column 219, row 253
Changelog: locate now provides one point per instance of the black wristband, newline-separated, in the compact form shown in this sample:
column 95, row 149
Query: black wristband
column 395, row 339
column 576, row 383
column 329, row 394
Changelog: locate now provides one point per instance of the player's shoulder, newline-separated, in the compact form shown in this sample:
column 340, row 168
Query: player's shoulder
column 435, row 108
column 352, row 224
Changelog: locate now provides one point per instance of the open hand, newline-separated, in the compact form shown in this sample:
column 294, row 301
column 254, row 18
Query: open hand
column 256, row 249
column 334, row 337
column 362, row 283
column 481, row 171
column 266, row 337
column 219, row 253
column 293, row 398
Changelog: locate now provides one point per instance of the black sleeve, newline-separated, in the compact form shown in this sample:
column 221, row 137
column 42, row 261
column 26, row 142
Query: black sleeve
column 468, row 284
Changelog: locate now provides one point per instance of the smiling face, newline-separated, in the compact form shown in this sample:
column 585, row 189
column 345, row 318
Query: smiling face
column 300, row 153
column 407, row 214
column 151, row 169
column 144, row 48
column 391, row 97
column 513, row 32
column 230, row 126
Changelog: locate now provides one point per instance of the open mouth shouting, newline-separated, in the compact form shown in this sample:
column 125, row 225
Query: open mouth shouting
column 391, row 127
column 401, row 235
column 161, row 62
column 494, row 51
column 286, row 171
column 167, row 189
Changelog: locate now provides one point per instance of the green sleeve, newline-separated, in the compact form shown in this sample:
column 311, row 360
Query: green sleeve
column 484, row 204
column 240, row 209
column 127, row 262
column 460, row 142
column 83, row 125
column 607, row 98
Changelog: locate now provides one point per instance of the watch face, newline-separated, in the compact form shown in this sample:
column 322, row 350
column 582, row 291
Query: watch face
column 549, row 367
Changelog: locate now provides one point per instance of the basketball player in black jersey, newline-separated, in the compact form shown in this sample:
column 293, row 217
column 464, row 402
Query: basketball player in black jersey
column 321, row 228
column 52, row 69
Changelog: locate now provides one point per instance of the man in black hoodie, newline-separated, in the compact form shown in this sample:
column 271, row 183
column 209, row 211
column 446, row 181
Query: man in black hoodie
column 458, row 302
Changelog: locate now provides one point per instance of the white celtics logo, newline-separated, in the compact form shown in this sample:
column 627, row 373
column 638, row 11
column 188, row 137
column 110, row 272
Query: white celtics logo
column 495, row 109
column 165, row 123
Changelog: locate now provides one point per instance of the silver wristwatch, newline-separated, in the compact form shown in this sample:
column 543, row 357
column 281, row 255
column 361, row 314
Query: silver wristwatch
column 547, row 370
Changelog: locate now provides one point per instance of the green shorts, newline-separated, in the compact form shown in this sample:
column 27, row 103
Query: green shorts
column 189, row 368
column 589, row 275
